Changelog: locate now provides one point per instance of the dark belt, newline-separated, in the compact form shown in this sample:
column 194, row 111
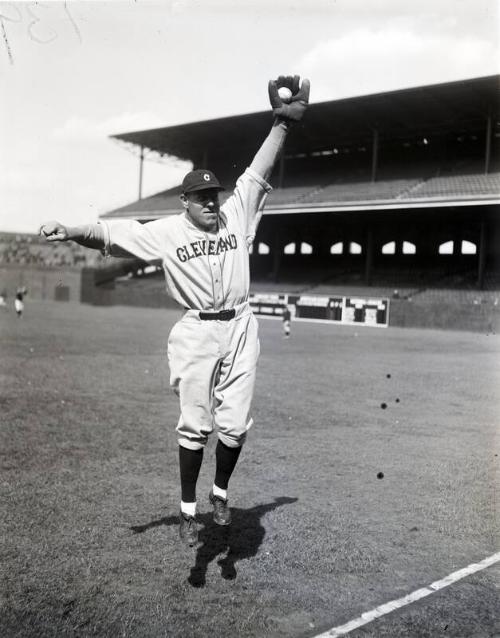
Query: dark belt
column 222, row 315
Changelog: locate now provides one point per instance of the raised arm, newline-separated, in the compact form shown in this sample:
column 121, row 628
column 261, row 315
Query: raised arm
column 286, row 112
column 90, row 235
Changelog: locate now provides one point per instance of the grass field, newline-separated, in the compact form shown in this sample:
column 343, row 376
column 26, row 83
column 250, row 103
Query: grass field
column 89, row 483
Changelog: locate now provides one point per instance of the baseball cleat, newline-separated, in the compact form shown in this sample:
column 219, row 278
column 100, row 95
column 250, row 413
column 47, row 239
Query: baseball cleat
column 222, row 513
column 188, row 529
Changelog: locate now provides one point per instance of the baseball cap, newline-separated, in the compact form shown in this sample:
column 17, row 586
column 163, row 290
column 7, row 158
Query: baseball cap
column 200, row 179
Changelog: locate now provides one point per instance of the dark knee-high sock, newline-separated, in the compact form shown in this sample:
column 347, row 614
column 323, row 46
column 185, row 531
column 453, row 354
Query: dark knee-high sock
column 189, row 464
column 226, row 458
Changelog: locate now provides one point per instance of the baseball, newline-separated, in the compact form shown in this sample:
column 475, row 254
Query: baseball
column 285, row 94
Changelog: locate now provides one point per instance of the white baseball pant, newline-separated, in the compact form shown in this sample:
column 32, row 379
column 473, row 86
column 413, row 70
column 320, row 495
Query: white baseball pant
column 212, row 370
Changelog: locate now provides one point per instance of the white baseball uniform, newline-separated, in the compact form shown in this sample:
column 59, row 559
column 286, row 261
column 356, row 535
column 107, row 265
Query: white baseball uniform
column 212, row 363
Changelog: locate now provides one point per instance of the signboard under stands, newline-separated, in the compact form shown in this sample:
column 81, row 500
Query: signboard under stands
column 345, row 310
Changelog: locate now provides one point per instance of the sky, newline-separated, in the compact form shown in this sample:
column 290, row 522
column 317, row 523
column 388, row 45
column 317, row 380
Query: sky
column 73, row 73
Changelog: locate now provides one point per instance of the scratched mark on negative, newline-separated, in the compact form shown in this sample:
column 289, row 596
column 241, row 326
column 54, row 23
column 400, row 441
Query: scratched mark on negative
column 72, row 20
column 38, row 27
column 7, row 45
column 35, row 19
column 4, row 17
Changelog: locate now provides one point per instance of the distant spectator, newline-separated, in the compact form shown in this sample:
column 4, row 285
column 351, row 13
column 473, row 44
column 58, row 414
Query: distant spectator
column 395, row 294
column 287, row 320
column 19, row 301
column 3, row 299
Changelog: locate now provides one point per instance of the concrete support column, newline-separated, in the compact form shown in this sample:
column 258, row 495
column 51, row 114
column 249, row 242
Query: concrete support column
column 281, row 177
column 487, row 150
column 277, row 248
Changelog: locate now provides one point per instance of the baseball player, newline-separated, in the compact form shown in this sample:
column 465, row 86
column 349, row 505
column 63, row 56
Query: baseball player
column 213, row 349
column 287, row 319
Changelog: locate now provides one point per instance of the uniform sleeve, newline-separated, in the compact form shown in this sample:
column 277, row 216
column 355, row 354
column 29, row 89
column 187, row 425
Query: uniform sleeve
column 130, row 238
column 246, row 204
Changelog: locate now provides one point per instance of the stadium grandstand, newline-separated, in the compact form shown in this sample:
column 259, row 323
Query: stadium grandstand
column 394, row 194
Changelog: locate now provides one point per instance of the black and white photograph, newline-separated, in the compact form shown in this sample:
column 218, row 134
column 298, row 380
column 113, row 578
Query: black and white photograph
column 250, row 319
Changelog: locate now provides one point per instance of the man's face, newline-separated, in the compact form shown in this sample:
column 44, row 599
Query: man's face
column 202, row 207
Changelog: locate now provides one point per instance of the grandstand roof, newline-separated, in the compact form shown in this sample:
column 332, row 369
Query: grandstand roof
column 462, row 104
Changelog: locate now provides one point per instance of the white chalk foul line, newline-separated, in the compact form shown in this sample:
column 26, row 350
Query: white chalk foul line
column 392, row 605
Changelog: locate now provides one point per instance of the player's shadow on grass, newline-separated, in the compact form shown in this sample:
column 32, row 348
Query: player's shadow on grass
column 237, row 541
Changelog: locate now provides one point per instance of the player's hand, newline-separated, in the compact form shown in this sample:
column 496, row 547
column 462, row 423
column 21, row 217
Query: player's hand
column 54, row 231
column 296, row 107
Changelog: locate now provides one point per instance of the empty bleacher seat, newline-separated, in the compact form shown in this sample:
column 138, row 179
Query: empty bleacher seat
column 361, row 191
column 459, row 185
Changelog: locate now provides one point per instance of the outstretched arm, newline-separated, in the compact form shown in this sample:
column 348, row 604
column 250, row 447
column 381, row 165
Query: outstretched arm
column 90, row 235
column 286, row 112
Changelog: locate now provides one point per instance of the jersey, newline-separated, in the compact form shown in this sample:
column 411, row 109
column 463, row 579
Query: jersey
column 203, row 270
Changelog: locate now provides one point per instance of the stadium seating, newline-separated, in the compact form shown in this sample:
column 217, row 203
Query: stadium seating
column 474, row 185
column 341, row 275
column 362, row 191
column 463, row 186
column 291, row 195
column 32, row 250
column 164, row 201
column 450, row 295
